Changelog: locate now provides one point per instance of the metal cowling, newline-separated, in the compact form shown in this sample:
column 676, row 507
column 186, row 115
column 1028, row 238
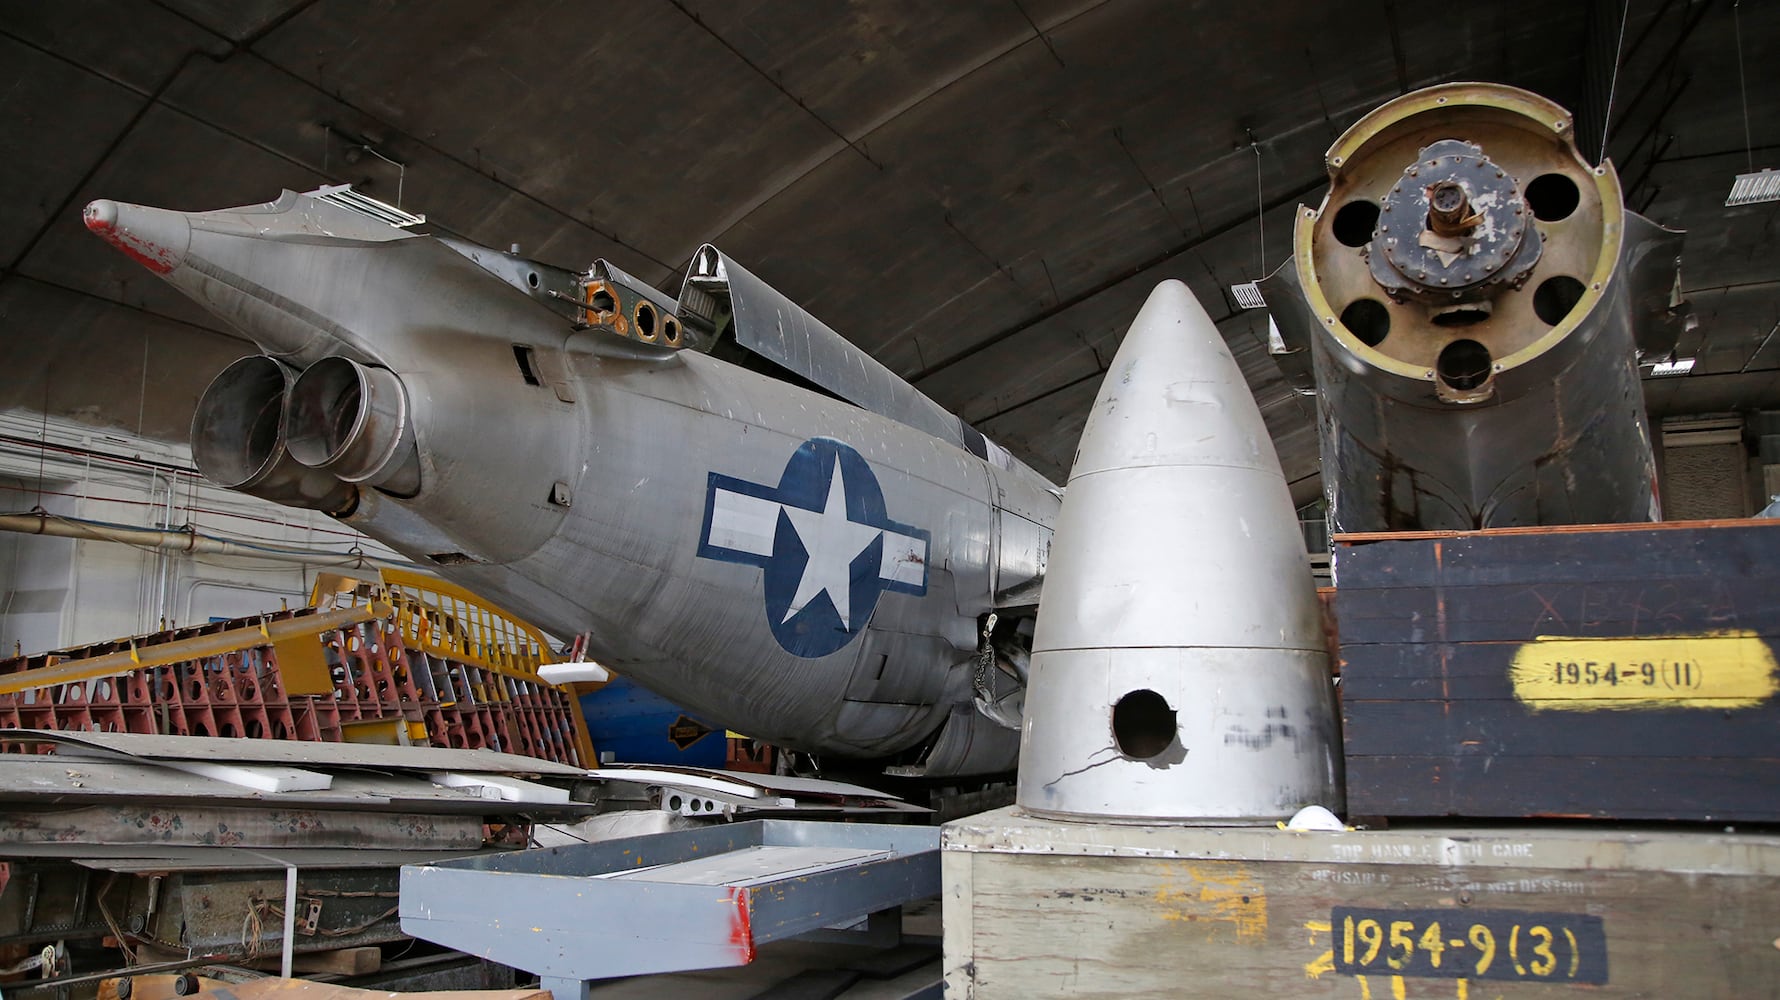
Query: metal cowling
column 1178, row 670
column 1470, row 303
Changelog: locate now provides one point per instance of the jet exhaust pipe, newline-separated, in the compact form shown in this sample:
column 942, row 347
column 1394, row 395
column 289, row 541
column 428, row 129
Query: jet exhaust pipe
column 238, row 440
column 353, row 421
column 1470, row 304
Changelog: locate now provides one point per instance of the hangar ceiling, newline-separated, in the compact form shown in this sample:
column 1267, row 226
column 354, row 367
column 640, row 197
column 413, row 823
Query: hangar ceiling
column 981, row 194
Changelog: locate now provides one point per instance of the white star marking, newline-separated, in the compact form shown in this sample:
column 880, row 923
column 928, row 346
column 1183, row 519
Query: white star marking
column 833, row 542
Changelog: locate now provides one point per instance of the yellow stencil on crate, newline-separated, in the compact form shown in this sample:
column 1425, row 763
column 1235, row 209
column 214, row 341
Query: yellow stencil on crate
column 1718, row 670
column 1222, row 894
column 1323, row 964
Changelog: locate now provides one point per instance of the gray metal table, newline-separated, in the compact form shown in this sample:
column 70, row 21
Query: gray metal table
column 693, row 899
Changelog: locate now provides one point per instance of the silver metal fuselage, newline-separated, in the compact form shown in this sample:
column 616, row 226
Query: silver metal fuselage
column 572, row 476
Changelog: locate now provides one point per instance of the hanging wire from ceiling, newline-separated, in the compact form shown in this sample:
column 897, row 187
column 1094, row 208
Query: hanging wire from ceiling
column 1743, row 85
column 1625, row 13
column 1753, row 187
column 1260, row 202
column 355, row 146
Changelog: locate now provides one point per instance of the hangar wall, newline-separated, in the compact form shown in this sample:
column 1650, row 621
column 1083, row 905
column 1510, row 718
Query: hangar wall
column 58, row 592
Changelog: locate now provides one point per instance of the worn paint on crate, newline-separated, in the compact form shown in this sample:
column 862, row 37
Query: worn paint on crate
column 1221, row 894
column 1719, row 670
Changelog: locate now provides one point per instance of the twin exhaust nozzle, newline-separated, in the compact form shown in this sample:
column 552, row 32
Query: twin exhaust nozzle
column 307, row 439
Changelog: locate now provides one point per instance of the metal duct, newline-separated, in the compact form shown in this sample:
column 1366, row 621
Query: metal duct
column 352, row 420
column 238, row 440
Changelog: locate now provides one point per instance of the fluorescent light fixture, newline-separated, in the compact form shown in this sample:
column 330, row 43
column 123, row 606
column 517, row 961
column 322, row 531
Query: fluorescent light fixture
column 1752, row 189
column 1249, row 297
column 344, row 196
column 1679, row 366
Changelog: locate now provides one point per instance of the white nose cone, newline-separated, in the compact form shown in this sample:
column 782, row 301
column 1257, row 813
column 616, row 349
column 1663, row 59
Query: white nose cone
column 1178, row 671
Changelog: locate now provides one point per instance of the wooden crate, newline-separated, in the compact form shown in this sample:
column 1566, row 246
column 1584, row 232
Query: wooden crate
column 1622, row 671
column 1037, row 908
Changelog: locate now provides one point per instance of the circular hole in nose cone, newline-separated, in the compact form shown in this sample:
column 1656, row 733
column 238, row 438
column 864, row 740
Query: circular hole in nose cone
column 1368, row 320
column 1143, row 724
column 670, row 333
column 1463, row 364
column 1354, row 223
column 645, row 321
column 1555, row 297
column 1552, row 197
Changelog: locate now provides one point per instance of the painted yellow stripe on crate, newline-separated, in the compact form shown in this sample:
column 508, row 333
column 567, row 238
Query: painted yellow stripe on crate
column 1720, row 670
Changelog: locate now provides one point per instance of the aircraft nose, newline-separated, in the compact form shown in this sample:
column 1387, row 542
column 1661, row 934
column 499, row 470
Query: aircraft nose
column 153, row 237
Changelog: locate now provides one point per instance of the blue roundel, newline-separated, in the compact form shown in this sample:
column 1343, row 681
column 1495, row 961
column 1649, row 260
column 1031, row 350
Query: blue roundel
column 824, row 540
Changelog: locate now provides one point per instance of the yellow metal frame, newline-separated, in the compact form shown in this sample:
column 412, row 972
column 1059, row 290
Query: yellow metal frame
column 442, row 618
column 180, row 650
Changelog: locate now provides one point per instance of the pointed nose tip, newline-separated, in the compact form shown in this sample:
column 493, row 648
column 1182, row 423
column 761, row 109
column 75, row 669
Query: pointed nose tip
column 153, row 237
column 101, row 216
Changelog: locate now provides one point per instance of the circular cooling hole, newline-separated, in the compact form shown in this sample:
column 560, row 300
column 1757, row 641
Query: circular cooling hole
column 1355, row 223
column 1143, row 725
column 602, row 301
column 1464, row 364
column 531, row 278
column 670, row 333
column 1552, row 197
column 325, row 411
column 1555, row 297
column 237, row 423
column 1368, row 320
column 645, row 321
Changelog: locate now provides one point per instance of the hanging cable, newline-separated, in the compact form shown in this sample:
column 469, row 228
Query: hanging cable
column 1260, row 202
column 1743, row 85
column 1625, row 12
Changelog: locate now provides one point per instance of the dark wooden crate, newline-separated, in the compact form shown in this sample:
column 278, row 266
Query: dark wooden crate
column 1431, row 623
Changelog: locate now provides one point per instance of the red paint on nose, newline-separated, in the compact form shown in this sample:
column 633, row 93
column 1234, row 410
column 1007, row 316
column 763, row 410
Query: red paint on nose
column 102, row 218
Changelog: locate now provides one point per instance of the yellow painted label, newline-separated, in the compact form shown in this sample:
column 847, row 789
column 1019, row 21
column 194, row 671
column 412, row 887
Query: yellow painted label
column 1715, row 671
column 1213, row 896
